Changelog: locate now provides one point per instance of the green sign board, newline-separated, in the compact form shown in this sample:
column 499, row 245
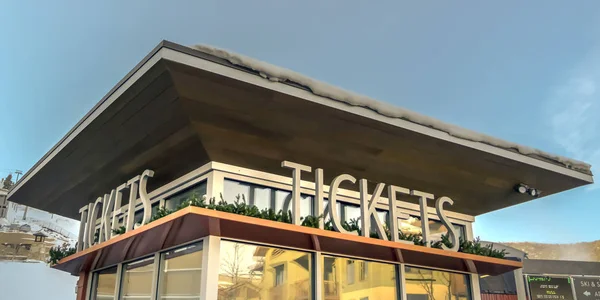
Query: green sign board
column 550, row 288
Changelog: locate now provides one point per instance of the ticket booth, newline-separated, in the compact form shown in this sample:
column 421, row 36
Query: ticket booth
column 204, row 174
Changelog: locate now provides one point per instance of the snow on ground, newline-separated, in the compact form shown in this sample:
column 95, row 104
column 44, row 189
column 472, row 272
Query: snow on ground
column 66, row 226
column 32, row 281
column 278, row 74
column 60, row 228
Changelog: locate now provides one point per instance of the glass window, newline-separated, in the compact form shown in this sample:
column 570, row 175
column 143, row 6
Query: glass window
column 180, row 273
column 350, row 271
column 105, row 282
column 154, row 208
column 174, row 201
column 279, row 275
column 501, row 284
column 426, row 284
column 326, row 210
column 350, row 212
column 364, row 270
column 259, row 272
column 138, row 216
column 264, row 197
column 412, row 225
column 137, row 279
column 96, row 235
column 379, row 279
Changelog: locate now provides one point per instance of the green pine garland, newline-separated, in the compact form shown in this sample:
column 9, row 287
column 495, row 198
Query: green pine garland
column 59, row 252
column 240, row 207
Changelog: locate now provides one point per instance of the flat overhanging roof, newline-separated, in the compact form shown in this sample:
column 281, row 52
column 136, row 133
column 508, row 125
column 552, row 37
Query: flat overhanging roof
column 180, row 108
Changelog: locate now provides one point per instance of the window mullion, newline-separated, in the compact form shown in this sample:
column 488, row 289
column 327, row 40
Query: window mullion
column 119, row 280
column 209, row 279
column 317, row 281
column 401, row 282
column 155, row 274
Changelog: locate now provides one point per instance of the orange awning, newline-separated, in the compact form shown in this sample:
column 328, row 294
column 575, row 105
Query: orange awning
column 193, row 223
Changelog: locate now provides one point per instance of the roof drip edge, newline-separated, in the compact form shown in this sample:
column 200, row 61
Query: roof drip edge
column 278, row 74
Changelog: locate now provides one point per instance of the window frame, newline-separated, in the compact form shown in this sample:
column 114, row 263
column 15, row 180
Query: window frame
column 121, row 278
column 363, row 270
column 283, row 273
column 398, row 271
column 93, row 281
column 468, row 279
column 311, row 253
column 223, row 172
column 163, row 260
column 350, row 276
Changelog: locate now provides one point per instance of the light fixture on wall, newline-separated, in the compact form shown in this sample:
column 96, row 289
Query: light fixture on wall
column 522, row 188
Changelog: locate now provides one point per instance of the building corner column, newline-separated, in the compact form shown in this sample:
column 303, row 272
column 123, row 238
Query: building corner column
column 82, row 286
column 209, row 285
column 475, row 290
column 520, row 284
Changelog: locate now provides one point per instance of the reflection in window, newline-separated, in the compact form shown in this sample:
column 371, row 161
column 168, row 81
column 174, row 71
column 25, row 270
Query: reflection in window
column 276, row 199
column 260, row 272
column 377, row 282
column 180, row 273
column 350, row 271
column 425, row 284
column 279, row 275
column 137, row 279
column 364, row 270
column 104, row 283
column 174, row 201
column 265, row 197
column 412, row 225
column 326, row 210
column 348, row 212
column 138, row 216
column 505, row 284
column 154, row 208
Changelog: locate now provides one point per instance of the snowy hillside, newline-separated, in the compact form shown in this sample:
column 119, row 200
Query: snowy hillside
column 60, row 228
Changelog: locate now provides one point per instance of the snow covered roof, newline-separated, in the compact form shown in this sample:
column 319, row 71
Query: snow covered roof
column 278, row 74
column 206, row 102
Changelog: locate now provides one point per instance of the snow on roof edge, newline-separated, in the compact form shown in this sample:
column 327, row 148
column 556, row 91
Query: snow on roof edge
column 279, row 74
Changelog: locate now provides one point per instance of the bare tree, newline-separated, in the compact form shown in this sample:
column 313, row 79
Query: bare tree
column 232, row 263
column 427, row 283
column 447, row 278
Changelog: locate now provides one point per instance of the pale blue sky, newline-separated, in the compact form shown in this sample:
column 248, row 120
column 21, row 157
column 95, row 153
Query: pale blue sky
column 525, row 71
